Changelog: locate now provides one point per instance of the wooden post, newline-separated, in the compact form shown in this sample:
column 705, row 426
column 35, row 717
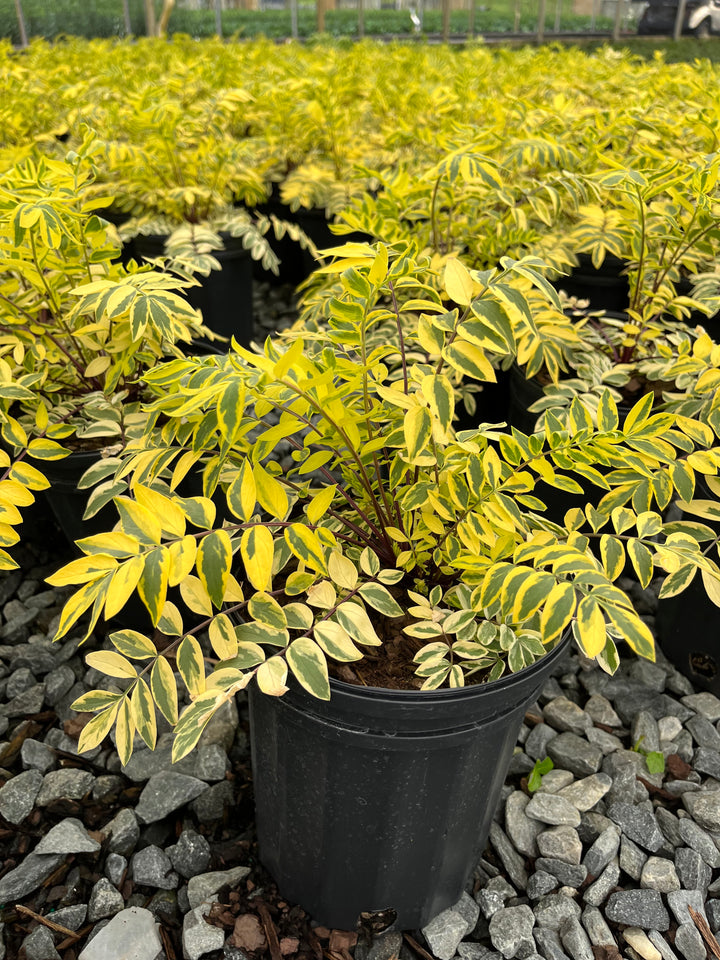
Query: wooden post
column 593, row 17
column 541, row 21
column 558, row 14
column 516, row 21
column 218, row 18
column 679, row 19
column 21, row 23
column 165, row 17
column 150, row 23
column 446, row 20
column 320, row 4
column 361, row 19
column 618, row 20
column 294, row 19
column 471, row 19
column 126, row 17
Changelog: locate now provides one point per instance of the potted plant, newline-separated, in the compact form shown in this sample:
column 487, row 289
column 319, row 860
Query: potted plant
column 189, row 186
column 402, row 597
column 76, row 334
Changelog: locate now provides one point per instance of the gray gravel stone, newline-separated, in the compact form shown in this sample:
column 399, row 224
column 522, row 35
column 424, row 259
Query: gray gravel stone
column 554, row 910
column 659, row 874
column 554, row 780
column 59, row 682
column 25, row 704
column 596, row 928
column 703, row 732
column 669, row 826
column 210, row 806
column 561, row 843
column 115, row 867
column 521, row 829
column 693, row 872
column 447, row 929
column 553, row 809
column 37, row 756
column 564, row 715
column 131, row 934
column 34, row 869
column 704, row 808
column 18, row 682
column 575, row 940
column 540, row 884
column 705, row 703
column 17, row 797
column 680, row 900
column 549, row 945
column 700, row 841
column 151, row 867
column 670, row 727
column 72, row 917
column 386, row 946
column 607, row 742
column 596, row 894
column 207, row 762
column 493, row 896
column 638, row 824
column 190, row 855
column 638, row 908
column 68, row 783
column 602, row 851
column 585, row 793
column 199, row 937
column 204, row 886
column 511, row 931
column 166, row 792
column 468, row 950
column 661, row 945
column 538, row 740
column 706, row 762
column 644, row 732
column 689, row 943
column 632, row 858
column 123, row 831
column 601, row 710
column 573, row 753
column 68, row 836
column 105, row 901
column 712, row 909
column 39, row 945
column 510, row 858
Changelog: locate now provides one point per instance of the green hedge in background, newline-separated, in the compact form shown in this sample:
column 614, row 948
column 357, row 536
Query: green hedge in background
column 103, row 18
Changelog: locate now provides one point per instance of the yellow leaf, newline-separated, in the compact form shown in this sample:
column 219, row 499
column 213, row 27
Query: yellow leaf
column 271, row 676
column 124, row 581
column 257, row 551
column 458, row 282
column 170, row 515
column 111, row 664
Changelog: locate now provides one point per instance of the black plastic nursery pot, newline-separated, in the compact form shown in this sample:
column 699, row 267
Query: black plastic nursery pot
column 605, row 286
column 382, row 799
column 688, row 625
column 225, row 296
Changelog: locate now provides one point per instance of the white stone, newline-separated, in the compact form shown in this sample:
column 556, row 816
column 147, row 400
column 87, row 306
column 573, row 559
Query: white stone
column 132, row 934
column 198, row 936
column 640, row 943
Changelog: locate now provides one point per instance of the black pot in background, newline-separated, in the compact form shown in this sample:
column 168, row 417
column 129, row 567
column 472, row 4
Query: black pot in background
column 688, row 626
column 224, row 297
column 605, row 286
column 382, row 799
column 296, row 263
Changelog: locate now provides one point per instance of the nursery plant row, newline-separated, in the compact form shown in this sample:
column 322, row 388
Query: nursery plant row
column 392, row 519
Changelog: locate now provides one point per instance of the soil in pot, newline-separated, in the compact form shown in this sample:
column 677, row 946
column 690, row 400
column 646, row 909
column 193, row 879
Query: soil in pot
column 381, row 800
